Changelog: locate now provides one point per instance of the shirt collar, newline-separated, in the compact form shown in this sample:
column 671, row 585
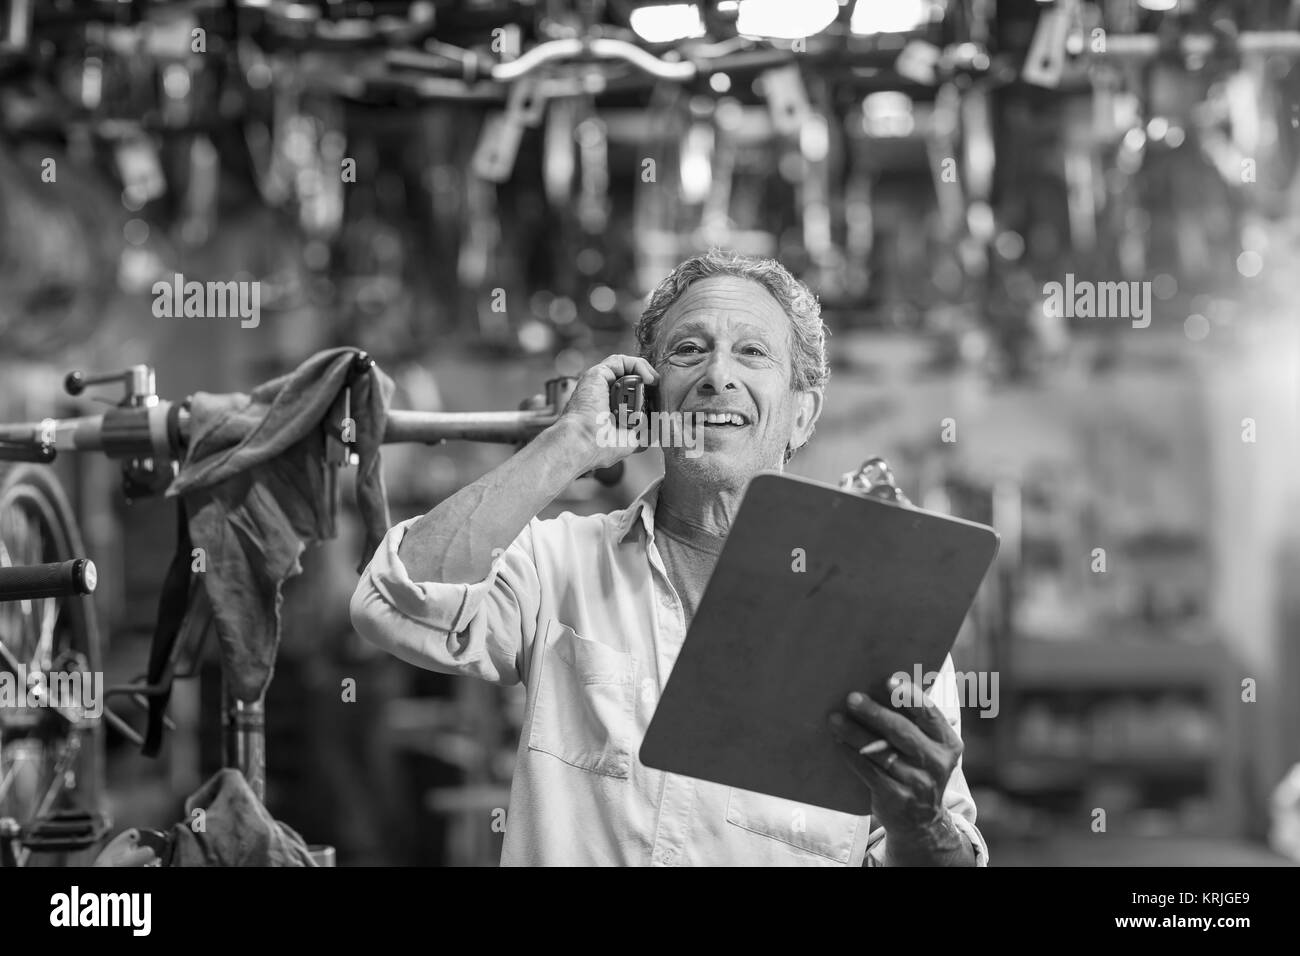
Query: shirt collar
column 644, row 508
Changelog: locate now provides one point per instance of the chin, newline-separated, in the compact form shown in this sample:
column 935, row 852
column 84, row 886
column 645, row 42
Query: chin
column 715, row 467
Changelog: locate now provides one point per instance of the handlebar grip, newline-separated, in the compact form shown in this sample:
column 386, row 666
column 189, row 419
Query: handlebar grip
column 74, row 383
column 58, row 579
column 41, row 454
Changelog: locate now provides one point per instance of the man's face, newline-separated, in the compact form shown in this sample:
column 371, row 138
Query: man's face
column 726, row 346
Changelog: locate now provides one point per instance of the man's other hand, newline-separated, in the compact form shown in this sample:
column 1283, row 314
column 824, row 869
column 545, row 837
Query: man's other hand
column 905, row 754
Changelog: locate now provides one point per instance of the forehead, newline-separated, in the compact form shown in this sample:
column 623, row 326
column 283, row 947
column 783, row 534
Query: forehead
column 726, row 305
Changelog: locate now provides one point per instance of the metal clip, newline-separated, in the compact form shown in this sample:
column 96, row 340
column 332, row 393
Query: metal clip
column 341, row 430
column 876, row 480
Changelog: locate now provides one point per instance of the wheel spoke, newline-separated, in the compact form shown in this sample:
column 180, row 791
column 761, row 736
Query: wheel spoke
column 22, row 544
column 11, row 661
column 43, row 655
column 7, row 776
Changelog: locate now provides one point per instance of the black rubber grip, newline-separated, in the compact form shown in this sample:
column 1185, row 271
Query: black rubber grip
column 59, row 579
column 41, row 454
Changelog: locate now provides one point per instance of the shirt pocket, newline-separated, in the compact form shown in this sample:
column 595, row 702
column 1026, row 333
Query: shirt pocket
column 583, row 703
column 825, row 833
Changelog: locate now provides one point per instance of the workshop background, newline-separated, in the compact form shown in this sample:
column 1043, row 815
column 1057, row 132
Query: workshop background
column 927, row 166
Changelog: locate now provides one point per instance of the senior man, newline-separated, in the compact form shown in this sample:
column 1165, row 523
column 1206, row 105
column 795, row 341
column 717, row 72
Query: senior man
column 589, row 613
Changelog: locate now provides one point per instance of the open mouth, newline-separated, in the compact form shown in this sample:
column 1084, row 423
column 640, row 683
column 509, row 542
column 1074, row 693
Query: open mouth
column 722, row 419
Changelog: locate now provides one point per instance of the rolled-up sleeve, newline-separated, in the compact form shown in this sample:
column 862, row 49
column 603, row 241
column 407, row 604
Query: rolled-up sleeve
column 957, row 799
column 483, row 630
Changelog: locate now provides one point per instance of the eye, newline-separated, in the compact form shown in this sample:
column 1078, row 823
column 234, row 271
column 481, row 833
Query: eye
column 688, row 348
column 754, row 350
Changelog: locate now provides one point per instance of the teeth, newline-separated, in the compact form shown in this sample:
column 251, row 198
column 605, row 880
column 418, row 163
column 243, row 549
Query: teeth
column 723, row 418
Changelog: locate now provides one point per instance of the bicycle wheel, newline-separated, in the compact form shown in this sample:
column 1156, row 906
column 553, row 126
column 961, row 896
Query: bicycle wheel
column 51, row 757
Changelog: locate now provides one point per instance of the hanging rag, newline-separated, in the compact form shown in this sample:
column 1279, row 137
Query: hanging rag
column 252, row 493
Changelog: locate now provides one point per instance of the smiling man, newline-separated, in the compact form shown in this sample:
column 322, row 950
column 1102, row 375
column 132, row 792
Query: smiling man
column 589, row 613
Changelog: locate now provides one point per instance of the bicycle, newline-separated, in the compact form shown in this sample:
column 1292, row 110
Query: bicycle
column 51, row 758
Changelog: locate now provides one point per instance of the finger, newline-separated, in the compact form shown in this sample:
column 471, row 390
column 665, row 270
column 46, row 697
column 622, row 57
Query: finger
column 647, row 371
column 619, row 365
column 852, row 734
column 935, row 724
column 895, row 765
column 882, row 784
column 877, row 764
column 918, row 706
column 894, row 727
column 604, row 370
column 871, row 748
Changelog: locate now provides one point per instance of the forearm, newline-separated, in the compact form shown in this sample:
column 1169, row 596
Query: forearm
column 456, row 541
column 942, row 844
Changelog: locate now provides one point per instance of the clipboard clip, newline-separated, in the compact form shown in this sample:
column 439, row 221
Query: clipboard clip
column 875, row 479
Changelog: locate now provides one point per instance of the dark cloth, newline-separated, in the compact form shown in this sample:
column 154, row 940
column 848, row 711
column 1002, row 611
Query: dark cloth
column 236, row 829
column 255, row 495
column 689, row 554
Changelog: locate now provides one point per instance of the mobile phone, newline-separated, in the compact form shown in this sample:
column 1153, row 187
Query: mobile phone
column 632, row 392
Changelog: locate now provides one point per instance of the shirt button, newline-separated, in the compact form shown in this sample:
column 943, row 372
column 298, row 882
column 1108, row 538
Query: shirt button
column 669, row 857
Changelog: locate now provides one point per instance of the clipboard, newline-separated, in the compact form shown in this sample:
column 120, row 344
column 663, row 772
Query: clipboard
column 774, row 649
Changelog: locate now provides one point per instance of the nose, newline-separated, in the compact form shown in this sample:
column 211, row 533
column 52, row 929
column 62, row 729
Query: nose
column 719, row 375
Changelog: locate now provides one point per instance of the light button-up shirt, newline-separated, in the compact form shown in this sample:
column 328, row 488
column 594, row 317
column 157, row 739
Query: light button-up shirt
column 581, row 610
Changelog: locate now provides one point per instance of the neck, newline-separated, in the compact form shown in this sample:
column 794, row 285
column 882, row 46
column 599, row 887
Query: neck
column 707, row 507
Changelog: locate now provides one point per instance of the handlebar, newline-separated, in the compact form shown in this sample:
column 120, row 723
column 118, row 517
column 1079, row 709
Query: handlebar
column 57, row 579
column 144, row 432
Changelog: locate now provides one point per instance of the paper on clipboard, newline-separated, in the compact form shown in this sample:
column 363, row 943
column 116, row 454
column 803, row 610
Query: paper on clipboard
column 772, row 650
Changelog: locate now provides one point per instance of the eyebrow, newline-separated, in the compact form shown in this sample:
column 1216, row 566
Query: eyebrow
column 698, row 327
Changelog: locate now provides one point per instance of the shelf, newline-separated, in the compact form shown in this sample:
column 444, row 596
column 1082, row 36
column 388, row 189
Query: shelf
column 1120, row 664
column 1162, row 765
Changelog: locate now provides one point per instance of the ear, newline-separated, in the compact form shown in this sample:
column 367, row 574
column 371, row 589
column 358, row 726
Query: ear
column 808, row 408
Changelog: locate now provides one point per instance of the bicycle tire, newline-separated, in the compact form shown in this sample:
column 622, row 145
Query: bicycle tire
column 37, row 491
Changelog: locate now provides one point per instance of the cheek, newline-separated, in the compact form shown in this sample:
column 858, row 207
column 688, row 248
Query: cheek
column 777, row 411
column 674, row 385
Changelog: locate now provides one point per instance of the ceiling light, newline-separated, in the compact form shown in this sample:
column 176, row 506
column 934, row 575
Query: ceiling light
column 888, row 16
column 785, row 19
column 665, row 24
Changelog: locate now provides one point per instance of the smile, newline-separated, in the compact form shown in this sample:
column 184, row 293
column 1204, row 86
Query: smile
column 724, row 419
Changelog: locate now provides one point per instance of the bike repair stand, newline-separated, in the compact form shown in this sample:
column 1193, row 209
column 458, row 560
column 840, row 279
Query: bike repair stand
column 243, row 723
column 243, row 739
